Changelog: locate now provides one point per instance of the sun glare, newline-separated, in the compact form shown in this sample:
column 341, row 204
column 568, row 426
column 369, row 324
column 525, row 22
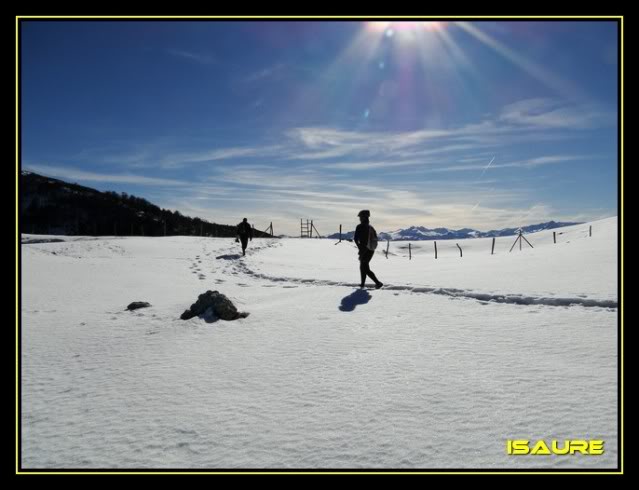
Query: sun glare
column 404, row 26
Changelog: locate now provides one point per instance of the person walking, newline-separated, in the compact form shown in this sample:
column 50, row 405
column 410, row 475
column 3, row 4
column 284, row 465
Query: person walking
column 244, row 233
column 366, row 240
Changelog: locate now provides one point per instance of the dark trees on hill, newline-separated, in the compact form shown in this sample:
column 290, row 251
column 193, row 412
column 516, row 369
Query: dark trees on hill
column 51, row 206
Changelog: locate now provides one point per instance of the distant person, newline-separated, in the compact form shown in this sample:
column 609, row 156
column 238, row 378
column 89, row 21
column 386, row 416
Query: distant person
column 244, row 233
column 366, row 240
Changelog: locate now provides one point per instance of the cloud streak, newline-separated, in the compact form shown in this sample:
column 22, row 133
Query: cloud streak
column 198, row 58
column 74, row 174
column 527, row 121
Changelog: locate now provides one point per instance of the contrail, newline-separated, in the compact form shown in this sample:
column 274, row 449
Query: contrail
column 533, row 208
column 486, row 168
column 478, row 202
column 482, row 174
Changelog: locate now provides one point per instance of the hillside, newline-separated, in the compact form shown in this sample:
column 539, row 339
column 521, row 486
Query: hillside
column 52, row 206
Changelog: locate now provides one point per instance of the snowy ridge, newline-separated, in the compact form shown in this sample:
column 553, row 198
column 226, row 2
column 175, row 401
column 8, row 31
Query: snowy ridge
column 419, row 233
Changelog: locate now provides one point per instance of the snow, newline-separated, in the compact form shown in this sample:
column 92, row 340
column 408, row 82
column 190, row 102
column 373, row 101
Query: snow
column 437, row 370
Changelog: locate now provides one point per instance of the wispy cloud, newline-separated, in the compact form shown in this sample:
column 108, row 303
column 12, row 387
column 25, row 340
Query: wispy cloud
column 199, row 58
column 268, row 73
column 74, row 174
column 532, row 120
column 528, row 163
column 551, row 114
column 176, row 160
column 527, row 121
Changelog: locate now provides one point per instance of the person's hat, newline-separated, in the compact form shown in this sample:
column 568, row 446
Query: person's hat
column 365, row 212
column 244, row 219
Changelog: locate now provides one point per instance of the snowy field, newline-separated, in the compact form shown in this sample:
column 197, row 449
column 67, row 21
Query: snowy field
column 436, row 370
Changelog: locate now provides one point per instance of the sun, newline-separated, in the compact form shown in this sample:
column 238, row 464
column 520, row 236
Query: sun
column 390, row 28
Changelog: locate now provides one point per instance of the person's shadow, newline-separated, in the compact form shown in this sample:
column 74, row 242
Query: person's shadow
column 357, row 297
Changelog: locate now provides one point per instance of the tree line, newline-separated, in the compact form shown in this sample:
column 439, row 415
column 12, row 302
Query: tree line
column 52, row 206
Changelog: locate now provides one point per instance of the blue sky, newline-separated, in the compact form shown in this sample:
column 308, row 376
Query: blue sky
column 459, row 124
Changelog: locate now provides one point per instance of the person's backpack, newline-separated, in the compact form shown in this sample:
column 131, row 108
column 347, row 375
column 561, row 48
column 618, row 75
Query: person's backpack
column 372, row 238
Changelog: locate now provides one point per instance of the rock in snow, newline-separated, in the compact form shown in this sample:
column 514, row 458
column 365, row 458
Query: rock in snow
column 221, row 306
column 138, row 304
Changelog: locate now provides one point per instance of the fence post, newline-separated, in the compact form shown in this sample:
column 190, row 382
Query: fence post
column 387, row 246
column 590, row 231
column 492, row 250
column 460, row 250
column 410, row 255
column 554, row 237
column 435, row 242
column 340, row 233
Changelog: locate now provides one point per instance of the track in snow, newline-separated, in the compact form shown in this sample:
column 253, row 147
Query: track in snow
column 238, row 266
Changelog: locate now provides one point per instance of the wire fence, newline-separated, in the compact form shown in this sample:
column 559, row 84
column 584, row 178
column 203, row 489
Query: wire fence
column 451, row 248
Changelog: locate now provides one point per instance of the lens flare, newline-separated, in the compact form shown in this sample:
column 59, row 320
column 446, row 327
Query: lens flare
column 377, row 26
column 404, row 26
column 434, row 26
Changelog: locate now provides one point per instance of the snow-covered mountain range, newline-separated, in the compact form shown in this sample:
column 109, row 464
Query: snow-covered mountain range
column 414, row 233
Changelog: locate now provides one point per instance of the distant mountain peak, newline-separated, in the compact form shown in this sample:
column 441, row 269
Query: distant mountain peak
column 415, row 233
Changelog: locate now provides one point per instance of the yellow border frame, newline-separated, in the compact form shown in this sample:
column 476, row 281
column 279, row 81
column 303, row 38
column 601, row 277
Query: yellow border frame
column 322, row 17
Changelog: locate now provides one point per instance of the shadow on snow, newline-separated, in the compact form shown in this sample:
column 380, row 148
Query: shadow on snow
column 357, row 297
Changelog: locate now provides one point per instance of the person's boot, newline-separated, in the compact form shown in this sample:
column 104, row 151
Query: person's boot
column 378, row 285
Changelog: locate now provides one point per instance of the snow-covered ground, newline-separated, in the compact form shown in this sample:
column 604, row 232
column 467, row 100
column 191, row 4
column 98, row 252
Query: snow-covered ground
column 437, row 370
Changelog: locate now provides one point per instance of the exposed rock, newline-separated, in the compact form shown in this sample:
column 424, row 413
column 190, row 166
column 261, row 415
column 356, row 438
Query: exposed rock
column 218, row 304
column 137, row 305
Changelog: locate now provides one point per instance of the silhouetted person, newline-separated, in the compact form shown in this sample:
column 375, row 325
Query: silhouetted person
column 366, row 240
column 245, row 233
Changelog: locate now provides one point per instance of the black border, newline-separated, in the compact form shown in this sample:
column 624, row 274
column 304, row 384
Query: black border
column 324, row 18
